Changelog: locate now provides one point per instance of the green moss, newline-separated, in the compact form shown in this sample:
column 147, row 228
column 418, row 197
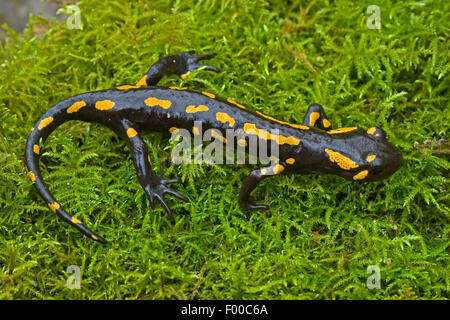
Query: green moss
column 321, row 232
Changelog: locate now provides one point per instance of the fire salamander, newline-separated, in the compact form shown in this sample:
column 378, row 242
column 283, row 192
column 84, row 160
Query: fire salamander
column 311, row 147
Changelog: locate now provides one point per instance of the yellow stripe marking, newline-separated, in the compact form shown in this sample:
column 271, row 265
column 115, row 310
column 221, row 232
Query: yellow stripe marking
column 76, row 106
column 250, row 128
column 297, row 126
column 360, row 175
column 371, row 157
column 313, row 118
column 236, row 104
column 54, row 206
column 224, row 117
column 194, row 109
column 326, row 123
column 151, row 102
column 75, row 220
column 173, row 129
column 126, row 87
column 342, row 130
column 36, row 149
column 45, row 122
column 341, row 160
column 211, row 95
column 131, row 133
column 94, row 237
column 371, row 130
column 178, row 88
column 104, row 105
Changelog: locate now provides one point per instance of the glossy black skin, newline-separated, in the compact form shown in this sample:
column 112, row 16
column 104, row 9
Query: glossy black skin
column 130, row 111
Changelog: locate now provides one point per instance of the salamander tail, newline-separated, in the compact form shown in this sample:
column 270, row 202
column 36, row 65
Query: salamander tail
column 43, row 127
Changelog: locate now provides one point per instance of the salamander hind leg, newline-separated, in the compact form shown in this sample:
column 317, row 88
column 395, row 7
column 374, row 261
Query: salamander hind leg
column 154, row 185
column 315, row 116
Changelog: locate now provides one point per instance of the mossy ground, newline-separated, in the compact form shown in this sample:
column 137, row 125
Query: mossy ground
column 321, row 233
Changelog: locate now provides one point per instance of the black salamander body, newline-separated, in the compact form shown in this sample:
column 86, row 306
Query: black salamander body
column 312, row 147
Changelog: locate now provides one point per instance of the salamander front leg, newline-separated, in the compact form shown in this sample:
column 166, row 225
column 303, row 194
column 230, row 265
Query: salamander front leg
column 153, row 184
column 315, row 116
column 181, row 64
column 245, row 199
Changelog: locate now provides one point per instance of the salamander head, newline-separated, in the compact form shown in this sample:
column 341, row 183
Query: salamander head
column 362, row 156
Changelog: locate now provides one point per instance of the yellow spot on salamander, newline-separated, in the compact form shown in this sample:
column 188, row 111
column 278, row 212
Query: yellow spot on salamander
column 278, row 169
column 142, row 82
column 32, row 129
column 32, row 176
column 104, row 105
column 242, row 142
column 326, row 123
column 236, row 104
column 194, row 109
column 178, row 88
column 75, row 220
column 131, row 133
column 371, row 130
column 54, row 206
column 274, row 159
column 313, row 118
column 173, row 129
column 263, row 171
column 342, row 130
column 224, row 117
column 94, row 237
column 250, row 128
column 360, row 175
column 195, row 131
column 291, row 140
column 76, row 106
column 341, row 160
column 290, row 161
column 151, row 102
column 218, row 135
column 45, row 122
column 36, row 149
column 211, row 95
column 184, row 76
column 297, row 126
column 371, row 157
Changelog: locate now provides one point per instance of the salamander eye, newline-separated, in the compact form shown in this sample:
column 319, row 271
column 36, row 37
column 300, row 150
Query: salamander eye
column 377, row 133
